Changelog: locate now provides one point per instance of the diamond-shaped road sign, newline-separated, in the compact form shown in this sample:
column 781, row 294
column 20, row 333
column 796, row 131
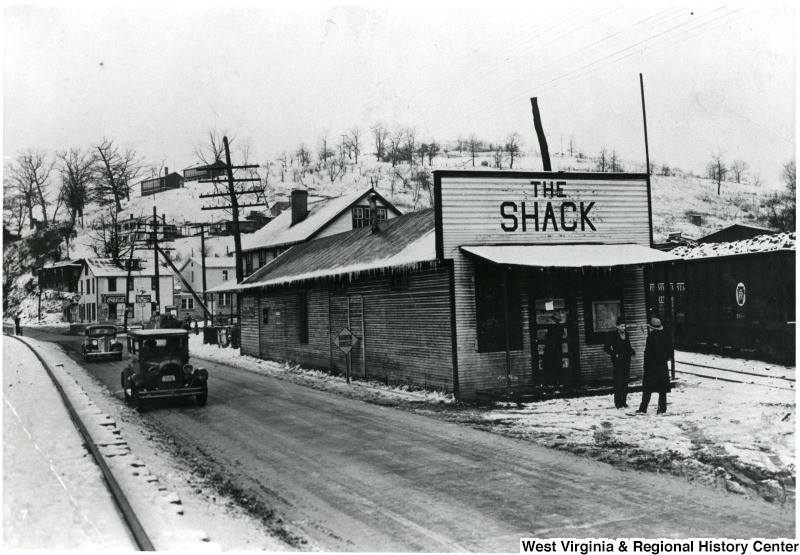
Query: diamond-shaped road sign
column 345, row 340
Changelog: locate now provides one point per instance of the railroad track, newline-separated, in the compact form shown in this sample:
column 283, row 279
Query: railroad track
column 118, row 495
column 733, row 374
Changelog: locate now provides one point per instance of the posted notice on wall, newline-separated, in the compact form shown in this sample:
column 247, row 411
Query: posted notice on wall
column 641, row 546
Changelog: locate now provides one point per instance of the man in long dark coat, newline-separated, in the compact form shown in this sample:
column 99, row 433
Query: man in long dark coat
column 657, row 353
column 618, row 346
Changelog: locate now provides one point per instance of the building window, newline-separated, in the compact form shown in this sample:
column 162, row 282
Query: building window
column 224, row 275
column 130, row 284
column 112, row 311
column 187, row 303
column 248, row 263
column 153, row 283
column 112, row 284
column 81, row 285
column 602, row 303
column 302, row 316
column 265, row 315
column 262, row 258
column 490, row 309
column 361, row 216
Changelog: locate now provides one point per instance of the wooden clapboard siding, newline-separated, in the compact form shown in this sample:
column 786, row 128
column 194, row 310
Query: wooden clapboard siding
column 249, row 327
column 470, row 215
column 280, row 338
column 406, row 331
column 595, row 363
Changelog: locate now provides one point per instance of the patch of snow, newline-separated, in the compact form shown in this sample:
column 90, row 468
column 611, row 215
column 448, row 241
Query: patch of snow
column 761, row 243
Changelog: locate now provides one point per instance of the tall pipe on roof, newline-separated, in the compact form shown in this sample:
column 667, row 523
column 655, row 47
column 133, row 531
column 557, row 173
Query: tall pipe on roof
column 299, row 205
column 373, row 213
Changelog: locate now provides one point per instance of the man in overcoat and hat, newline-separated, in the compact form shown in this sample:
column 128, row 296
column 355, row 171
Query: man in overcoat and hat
column 657, row 353
column 618, row 346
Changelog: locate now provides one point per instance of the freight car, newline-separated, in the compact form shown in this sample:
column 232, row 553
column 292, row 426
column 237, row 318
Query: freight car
column 738, row 304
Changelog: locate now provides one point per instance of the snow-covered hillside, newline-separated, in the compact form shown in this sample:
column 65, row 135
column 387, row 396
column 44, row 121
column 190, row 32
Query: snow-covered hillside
column 688, row 205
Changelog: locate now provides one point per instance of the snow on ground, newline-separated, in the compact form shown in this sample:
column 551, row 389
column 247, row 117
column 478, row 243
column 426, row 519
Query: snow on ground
column 760, row 243
column 54, row 496
column 740, row 437
column 178, row 510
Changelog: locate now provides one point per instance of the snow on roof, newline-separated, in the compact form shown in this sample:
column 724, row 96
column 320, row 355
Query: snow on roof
column 404, row 242
column 569, row 256
column 761, row 243
column 106, row 267
column 280, row 231
column 214, row 261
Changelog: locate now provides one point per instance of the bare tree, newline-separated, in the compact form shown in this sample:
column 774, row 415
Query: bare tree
column 666, row 171
column 497, row 155
column 739, row 169
column 212, row 149
column 433, row 151
column 789, row 176
column 571, row 146
column 304, row 159
column 422, row 182
column 512, row 148
column 14, row 209
column 284, row 160
column 411, row 145
column 107, row 242
column 473, row 144
column 325, row 151
column 381, row 135
column 354, row 141
column 717, row 170
column 782, row 207
column 395, row 145
column 28, row 174
column 115, row 172
column 336, row 165
column 602, row 160
column 615, row 166
column 77, row 177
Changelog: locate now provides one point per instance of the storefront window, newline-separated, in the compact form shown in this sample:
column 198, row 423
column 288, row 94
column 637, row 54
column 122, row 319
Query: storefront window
column 603, row 303
column 489, row 310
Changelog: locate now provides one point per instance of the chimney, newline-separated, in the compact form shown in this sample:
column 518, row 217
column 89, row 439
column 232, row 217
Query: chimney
column 373, row 213
column 299, row 205
column 166, row 171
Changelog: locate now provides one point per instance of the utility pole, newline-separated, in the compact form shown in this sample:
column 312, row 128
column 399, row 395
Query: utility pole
column 203, row 261
column 537, row 123
column 237, row 239
column 155, row 260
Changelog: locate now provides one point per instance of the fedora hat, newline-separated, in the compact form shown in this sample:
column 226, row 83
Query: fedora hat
column 655, row 323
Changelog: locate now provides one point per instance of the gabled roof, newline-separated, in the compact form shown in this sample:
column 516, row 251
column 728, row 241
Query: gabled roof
column 736, row 232
column 105, row 267
column 224, row 262
column 281, row 232
column 402, row 242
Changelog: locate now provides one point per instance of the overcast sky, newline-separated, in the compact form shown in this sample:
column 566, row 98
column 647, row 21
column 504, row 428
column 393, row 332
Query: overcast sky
column 717, row 79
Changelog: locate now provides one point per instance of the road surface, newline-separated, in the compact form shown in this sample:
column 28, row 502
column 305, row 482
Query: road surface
column 351, row 476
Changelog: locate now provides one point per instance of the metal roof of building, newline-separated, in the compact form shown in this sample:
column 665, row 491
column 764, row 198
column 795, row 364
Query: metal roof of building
column 569, row 255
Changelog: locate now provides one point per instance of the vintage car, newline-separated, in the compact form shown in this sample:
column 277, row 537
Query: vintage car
column 101, row 342
column 159, row 368
column 164, row 321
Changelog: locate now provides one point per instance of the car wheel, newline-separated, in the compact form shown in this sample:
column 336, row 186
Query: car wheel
column 124, row 389
column 202, row 399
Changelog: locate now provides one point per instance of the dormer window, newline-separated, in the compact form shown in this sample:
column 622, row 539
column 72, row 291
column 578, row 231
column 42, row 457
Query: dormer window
column 361, row 216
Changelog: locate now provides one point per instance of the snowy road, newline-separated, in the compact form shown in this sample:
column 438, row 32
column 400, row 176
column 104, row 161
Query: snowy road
column 354, row 476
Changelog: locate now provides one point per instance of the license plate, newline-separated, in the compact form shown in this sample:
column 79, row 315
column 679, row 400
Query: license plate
column 167, row 378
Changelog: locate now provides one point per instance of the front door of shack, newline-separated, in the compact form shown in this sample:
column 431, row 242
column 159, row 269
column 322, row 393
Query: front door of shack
column 554, row 333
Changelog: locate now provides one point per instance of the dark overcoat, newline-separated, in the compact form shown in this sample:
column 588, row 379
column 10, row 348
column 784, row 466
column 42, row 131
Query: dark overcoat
column 657, row 353
column 620, row 350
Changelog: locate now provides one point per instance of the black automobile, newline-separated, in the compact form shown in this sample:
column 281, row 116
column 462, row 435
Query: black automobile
column 101, row 342
column 159, row 368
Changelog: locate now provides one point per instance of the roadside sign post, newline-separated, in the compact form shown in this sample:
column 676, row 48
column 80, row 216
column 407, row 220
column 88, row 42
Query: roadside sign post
column 142, row 299
column 346, row 341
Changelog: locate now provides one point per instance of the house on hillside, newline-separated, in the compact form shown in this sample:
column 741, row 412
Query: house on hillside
column 141, row 229
column 736, row 232
column 104, row 294
column 511, row 282
column 166, row 182
column 304, row 221
column 63, row 276
column 218, row 270
column 205, row 171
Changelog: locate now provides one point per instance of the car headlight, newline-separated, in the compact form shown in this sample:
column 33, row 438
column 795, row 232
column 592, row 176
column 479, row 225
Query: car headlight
column 153, row 372
column 201, row 374
column 188, row 368
column 94, row 341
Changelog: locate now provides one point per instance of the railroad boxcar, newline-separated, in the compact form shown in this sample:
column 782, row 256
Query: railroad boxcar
column 738, row 304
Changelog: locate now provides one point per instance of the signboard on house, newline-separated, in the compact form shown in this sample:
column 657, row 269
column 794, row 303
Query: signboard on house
column 113, row 299
column 143, row 299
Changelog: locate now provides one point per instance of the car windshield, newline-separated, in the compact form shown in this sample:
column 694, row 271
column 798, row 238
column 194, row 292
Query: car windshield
column 162, row 346
column 99, row 332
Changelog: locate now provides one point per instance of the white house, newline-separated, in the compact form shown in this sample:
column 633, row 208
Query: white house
column 104, row 294
column 218, row 270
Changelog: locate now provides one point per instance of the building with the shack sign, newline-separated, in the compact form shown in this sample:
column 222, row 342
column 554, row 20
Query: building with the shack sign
column 513, row 280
